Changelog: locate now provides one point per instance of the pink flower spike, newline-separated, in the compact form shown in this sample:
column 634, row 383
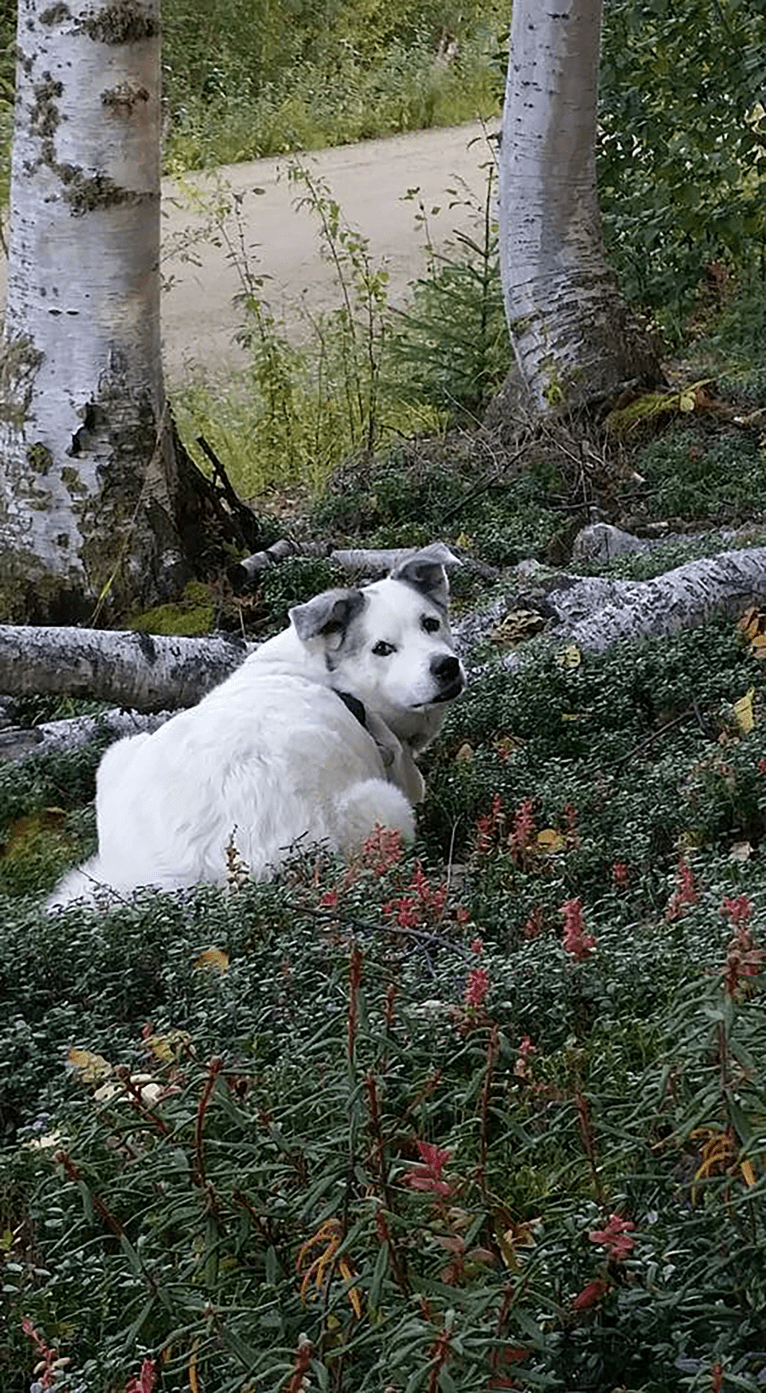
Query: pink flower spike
column 477, row 988
column 476, row 945
column 738, row 909
column 525, row 1048
column 575, row 940
column 146, row 1379
column 428, row 1176
column 615, row 1237
column 590, row 1294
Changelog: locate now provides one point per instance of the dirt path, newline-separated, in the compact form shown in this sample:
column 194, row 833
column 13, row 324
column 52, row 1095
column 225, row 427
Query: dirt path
column 369, row 182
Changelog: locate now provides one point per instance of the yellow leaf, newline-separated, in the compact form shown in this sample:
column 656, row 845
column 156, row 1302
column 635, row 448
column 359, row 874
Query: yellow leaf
column 193, row 1380
column 464, row 754
column 352, row 1293
column 743, row 711
column 465, row 543
column 168, row 1047
column 570, row 657
column 748, row 1174
column 550, row 841
column 741, row 851
column 749, row 622
column 687, row 400
column 214, row 958
column 88, row 1067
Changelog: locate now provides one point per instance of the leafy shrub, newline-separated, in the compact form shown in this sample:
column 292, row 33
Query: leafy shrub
column 404, row 1125
column 679, row 159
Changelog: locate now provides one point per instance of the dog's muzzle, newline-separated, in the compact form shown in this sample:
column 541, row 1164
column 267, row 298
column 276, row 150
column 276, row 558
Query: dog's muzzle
column 449, row 677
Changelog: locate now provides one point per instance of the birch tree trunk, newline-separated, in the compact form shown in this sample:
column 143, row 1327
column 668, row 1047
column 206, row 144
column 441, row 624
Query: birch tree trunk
column 89, row 484
column 572, row 335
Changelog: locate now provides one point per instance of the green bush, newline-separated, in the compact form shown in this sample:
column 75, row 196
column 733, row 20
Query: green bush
column 680, row 174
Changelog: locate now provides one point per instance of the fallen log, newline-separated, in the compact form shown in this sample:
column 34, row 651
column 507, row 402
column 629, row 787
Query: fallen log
column 154, row 674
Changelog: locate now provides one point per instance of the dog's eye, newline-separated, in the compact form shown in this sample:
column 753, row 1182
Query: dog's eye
column 382, row 649
column 429, row 624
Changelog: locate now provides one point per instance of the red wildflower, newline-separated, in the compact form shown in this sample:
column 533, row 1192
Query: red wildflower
column 404, row 910
column 486, row 827
column 716, row 1376
column 329, row 899
column 590, row 1294
column 476, row 945
column 686, row 893
column 575, row 940
column 762, row 765
column 743, row 959
column 738, row 909
column 462, row 915
column 620, row 873
column 476, row 990
column 146, row 1379
column 428, row 1175
column 382, row 850
column 615, row 1237
column 523, row 832
column 525, row 1049
column 534, row 925
column 49, row 1364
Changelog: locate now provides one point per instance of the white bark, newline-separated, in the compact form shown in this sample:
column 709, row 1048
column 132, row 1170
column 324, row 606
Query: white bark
column 596, row 612
column 357, row 561
column 88, row 482
column 134, row 670
column 154, row 674
column 57, row 737
column 572, row 336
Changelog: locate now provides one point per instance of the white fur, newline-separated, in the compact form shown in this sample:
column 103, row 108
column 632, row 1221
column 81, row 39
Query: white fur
column 272, row 758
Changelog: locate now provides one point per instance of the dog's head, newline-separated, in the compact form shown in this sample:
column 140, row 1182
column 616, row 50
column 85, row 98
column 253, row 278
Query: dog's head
column 389, row 644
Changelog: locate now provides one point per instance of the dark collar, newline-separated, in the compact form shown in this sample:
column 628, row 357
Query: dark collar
column 354, row 705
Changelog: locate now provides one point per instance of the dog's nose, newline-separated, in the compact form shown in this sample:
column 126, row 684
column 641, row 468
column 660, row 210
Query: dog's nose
column 446, row 669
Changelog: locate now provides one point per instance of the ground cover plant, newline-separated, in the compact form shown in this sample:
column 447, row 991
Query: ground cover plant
column 486, row 1114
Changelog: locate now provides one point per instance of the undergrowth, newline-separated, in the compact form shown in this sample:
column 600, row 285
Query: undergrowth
column 486, row 1114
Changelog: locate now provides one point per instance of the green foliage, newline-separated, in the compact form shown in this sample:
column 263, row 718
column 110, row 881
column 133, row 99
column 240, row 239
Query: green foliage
column 293, row 582
column 297, row 413
column 452, row 347
column 735, row 343
column 246, row 1131
column 43, row 824
column 703, row 476
column 244, row 80
column 453, row 489
column 681, row 145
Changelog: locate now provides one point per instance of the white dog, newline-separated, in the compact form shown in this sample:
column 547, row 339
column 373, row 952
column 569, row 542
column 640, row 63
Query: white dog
column 312, row 740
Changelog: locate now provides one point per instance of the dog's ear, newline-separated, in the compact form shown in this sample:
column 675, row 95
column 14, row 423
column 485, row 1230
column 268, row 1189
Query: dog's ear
column 328, row 615
column 425, row 570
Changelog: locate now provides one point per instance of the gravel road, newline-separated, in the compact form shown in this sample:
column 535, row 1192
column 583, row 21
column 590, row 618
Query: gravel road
column 370, row 182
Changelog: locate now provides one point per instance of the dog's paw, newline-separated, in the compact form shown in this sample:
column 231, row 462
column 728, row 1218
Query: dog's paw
column 370, row 804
